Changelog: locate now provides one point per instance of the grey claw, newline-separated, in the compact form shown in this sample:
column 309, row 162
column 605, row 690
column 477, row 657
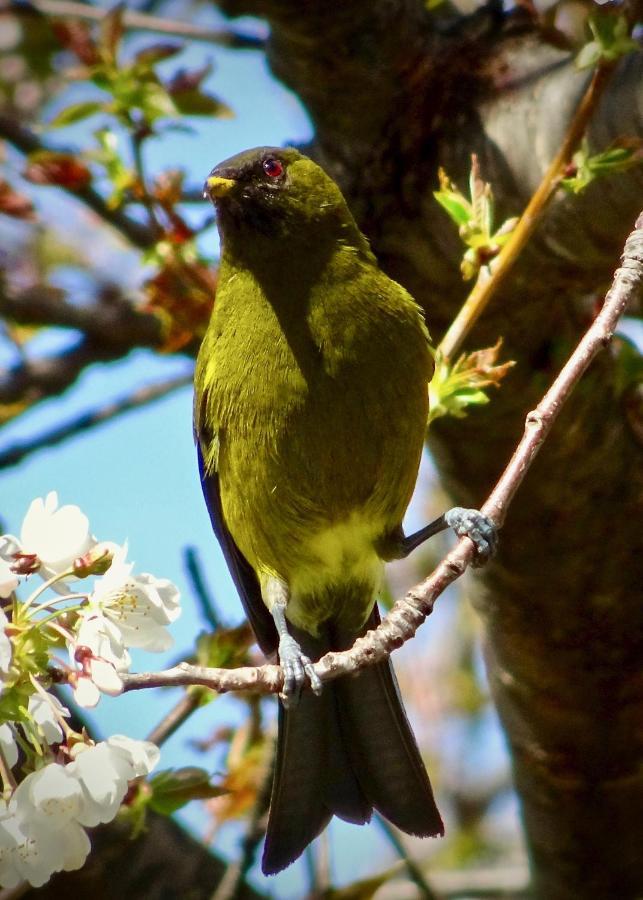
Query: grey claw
column 480, row 529
column 297, row 668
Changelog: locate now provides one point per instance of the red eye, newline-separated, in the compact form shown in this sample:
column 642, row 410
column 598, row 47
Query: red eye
column 272, row 167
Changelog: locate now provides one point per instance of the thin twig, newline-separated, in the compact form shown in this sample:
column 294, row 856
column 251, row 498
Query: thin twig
column 233, row 879
column 144, row 22
column 200, row 589
column 409, row 613
column 26, row 142
column 415, row 872
column 141, row 397
column 179, row 713
column 485, row 288
column 137, row 139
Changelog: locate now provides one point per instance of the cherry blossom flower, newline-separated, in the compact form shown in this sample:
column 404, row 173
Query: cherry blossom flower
column 46, row 711
column 39, row 831
column 85, row 692
column 8, row 744
column 105, row 771
column 141, row 606
column 56, row 534
column 98, row 648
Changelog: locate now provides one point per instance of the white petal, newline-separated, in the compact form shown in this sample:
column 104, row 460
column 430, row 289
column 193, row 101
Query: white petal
column 58, row 535
column 145, row 634
column 104, row 639
column 85, row 692
column 46, row 712
column 104, row 776
column 51, row 794
column 105, row 677
column 77, row 847
column 11, row 836
column 9, row 745
column 144, row 755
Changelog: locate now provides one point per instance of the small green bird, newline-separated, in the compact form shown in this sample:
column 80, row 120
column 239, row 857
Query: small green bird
column 311, row 402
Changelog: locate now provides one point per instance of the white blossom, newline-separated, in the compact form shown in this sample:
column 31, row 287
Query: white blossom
column 85, row 692
column 105, row 677
column 143, row 755
column 46, row 712
column 105, row 771
column 98, row 648
column 39, row 831
column 57, row 535
column 141, row 606
column 8, row 744
column 103, row 638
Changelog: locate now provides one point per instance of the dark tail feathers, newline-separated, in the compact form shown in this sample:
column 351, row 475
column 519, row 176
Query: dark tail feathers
column 346, row 753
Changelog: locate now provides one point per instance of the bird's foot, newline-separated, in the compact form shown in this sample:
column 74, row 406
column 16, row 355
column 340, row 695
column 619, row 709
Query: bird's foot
column 476, row 526
column 296, row 667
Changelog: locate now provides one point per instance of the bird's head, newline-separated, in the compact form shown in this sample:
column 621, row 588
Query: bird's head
column 277, row 193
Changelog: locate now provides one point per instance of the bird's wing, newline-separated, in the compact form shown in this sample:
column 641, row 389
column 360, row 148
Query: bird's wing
column 243, row 574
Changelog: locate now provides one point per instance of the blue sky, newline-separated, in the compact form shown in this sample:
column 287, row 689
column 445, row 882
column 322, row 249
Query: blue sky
column 136, row 477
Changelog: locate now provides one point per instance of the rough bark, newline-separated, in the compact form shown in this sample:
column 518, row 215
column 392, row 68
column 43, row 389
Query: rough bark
column 391, row 99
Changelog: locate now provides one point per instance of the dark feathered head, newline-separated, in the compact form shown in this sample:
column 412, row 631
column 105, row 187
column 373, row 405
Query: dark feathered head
column 275, row 192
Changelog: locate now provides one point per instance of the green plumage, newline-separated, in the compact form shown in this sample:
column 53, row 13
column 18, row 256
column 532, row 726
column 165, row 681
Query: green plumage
column 311, row 401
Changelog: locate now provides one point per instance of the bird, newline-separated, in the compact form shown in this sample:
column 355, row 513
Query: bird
column 310, row 413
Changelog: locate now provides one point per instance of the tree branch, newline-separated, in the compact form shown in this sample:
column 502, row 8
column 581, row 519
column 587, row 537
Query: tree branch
column 26, row 142
column 485, row 288
column 114, row 322
column 407, row 614
column 15, row 453
column 36, row 379
column 138, row 21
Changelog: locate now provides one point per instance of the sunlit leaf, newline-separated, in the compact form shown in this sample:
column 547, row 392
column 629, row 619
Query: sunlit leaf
column 453, row 389
column 173, row 788
column 156, row 52
column 76, row 112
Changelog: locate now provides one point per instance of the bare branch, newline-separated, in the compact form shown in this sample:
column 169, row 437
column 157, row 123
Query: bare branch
column 26, row 142
column 138, row 21
column 141, row 397
column 36, row 379
column 409, row 613
column 116, row 322
column 425, row 892
column 172, row 721
column 201, row 591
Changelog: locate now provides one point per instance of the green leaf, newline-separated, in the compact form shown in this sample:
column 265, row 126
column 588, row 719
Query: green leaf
column 456, row 206
column 224, row 648
column 194, row 102
column 171, row 789
column 453, row 389
column 76, row 112
column 148, row 56
column 611, row 33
